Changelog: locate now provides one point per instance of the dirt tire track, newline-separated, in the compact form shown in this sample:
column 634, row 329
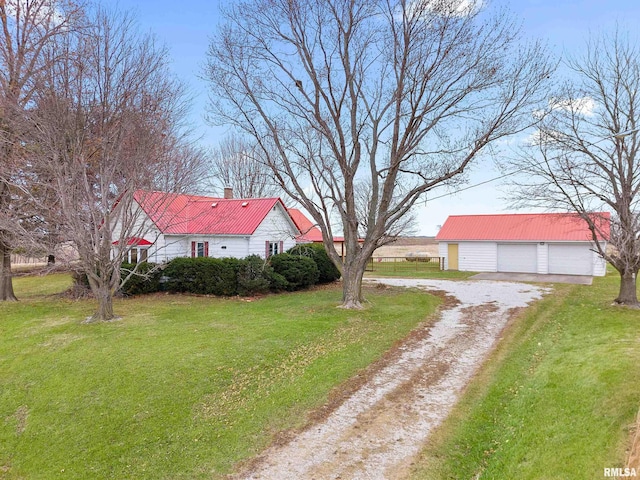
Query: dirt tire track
column 376, row 431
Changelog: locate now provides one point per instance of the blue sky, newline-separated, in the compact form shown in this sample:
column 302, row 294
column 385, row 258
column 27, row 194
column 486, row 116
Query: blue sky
column 185, row 27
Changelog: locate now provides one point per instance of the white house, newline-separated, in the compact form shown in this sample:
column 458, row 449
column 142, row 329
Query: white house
column 544, row 243
column 171, row 225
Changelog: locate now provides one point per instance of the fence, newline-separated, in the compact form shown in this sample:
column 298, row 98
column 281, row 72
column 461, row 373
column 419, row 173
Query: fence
column 405, row 264
column 21, row 260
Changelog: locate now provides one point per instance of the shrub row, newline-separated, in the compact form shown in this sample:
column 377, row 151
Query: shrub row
column 328, row 272
column 301, row 268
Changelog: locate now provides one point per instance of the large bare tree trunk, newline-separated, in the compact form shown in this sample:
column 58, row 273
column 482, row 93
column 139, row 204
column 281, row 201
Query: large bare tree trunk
column 352, row 285
column 6, row 281
column 105, row 306
column 104, row 295
column 628, row 291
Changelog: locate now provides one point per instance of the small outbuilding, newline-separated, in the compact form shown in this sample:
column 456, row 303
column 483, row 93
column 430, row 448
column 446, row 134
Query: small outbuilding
column 542, row 243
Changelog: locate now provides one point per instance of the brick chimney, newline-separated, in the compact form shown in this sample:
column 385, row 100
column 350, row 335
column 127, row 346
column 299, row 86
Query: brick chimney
column 228, row 193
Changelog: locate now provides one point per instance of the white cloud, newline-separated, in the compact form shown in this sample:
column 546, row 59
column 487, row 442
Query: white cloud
column 538, row 137
column 534, row 138
column 42, row 10
column 583, row 106
column 458, row 8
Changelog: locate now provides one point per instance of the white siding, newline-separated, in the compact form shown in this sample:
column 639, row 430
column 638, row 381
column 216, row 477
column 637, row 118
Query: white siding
column 166, row 247
column 543, row 258
column 477, row 256
column 444, row 252
column 155, row 251
column 599, row 263
column 141, row 226
column 276, row 227
column 228, row 246
column 175, row 246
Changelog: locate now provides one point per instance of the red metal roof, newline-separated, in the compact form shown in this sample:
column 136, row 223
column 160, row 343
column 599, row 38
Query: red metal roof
column 181, row 214
column 539, row 227
column 135, row 241
column 310, row 233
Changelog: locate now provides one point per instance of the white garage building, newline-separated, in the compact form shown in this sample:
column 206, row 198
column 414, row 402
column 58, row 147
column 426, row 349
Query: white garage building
column 543, row 243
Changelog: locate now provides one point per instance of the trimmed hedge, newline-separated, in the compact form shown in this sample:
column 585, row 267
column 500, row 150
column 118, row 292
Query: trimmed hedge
column 202, row 275
column 224, row 276
column 146, row 279
column 299, row 272
column 254, row 276
column 315, row 251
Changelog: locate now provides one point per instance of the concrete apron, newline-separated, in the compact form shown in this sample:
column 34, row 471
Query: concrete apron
column 534, row 277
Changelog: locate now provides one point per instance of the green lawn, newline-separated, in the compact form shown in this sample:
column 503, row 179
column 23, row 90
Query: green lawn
column 555, row 401
column 181, row 387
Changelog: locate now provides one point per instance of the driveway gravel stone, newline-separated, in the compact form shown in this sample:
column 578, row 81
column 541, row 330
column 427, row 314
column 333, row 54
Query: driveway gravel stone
column 377, row 431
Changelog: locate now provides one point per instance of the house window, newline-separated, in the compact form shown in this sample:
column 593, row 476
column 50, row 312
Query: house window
column 273, row 248
column 199, row 249
column 136, row 255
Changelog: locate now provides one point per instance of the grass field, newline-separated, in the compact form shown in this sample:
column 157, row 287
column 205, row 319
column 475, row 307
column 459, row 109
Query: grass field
column 555, row 401
column 181, row 387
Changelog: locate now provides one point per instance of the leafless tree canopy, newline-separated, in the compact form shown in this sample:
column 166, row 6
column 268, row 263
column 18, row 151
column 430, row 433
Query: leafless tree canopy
column 239, row 164
column 585, row 156
column 27, row 30
column 401, row 95
column 104, row 122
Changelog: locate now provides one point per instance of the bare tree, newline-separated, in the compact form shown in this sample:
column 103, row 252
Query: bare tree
column 239, row 164
column 27, row 29
column 105, row 123
column 585, row 156
column 185, row 163
column 406, row 226
column 400, row 94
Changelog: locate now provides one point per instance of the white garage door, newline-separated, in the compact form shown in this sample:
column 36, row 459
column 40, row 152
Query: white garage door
column 570, row 259
column 518, row 257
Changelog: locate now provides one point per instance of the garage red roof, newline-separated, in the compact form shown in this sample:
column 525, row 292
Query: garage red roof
column 539, row 227
column 181, row 214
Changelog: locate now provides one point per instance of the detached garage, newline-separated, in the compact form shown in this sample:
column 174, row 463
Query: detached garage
column 543, row 243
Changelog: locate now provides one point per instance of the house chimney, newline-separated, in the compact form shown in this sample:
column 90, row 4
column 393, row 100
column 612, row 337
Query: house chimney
column 228, row 193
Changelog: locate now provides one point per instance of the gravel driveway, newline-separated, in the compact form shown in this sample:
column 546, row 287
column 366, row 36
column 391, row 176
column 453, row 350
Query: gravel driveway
column 376, row 432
